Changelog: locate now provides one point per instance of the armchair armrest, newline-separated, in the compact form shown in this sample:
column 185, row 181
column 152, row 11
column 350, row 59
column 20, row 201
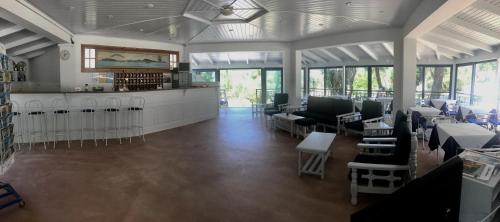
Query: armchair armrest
column 282, row 107
column 371, row 166
column 347, row 114
column 376, row 149
column 376, row 146
column 380, row 140
column 378, row 119
column 350, row 118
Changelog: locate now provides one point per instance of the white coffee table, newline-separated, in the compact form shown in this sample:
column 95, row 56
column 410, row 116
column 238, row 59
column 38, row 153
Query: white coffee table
column 319, row 145
column 285, row 122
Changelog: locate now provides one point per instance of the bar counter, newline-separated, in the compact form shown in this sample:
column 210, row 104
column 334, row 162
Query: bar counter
column 164, row 109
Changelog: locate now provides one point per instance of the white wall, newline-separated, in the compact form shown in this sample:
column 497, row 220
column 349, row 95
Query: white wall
column 45, row 68
column 71, row 75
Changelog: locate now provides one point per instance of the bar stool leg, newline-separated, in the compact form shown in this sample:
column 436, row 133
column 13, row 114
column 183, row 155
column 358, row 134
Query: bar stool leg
column 54, row 131
column 105, row 128
column 43, row 128
column 30, row 136
column 94, row 128
column 142, row 124
column 130, row 121
column 67, row 129
column 82, row 116
column 117, row 127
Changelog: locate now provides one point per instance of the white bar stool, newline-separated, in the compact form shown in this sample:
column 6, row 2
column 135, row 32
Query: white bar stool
column 36, row 122
column 135, row 117
column 17, row 119
column 111, row 111
column 61, row 112
column 87, row 118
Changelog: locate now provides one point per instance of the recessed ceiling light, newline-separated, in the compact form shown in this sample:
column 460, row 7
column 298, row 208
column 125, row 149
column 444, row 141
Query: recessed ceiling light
column 348, row 3
column 110, row 16
column 142, row 30
column 71, row 8
column 150, row 5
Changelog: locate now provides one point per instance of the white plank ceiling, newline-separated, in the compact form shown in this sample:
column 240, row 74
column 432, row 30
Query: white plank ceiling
column 194, row 21
column 21, row 42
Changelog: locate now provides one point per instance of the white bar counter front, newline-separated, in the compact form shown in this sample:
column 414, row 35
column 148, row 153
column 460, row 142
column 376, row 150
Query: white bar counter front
column 164, row 109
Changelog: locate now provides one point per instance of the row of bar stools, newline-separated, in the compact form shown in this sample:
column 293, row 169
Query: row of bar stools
column 36, row 120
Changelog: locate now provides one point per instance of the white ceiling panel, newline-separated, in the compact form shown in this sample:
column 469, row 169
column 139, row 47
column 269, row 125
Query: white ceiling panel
column 270, row 20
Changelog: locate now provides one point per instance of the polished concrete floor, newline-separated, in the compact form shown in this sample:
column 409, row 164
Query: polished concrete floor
column 228, row 169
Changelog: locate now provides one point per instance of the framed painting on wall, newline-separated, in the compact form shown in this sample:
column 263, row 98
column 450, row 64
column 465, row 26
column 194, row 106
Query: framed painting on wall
column 109, row 59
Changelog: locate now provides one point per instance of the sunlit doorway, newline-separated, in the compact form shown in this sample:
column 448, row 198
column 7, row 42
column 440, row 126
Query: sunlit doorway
column 240, row 86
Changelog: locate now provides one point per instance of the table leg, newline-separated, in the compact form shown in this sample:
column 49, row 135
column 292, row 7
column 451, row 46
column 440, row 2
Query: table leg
column 323, row 166
column 291, row 128
column 300, row 162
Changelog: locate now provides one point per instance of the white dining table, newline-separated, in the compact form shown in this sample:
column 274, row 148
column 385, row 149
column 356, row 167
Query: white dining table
column 425, row 111
column 467, row 135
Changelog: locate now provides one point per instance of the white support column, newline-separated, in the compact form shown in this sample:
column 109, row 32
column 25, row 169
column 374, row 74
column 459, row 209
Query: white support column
column 294, row 75
column 498, row 82
column 453, row 82
column 405, row 72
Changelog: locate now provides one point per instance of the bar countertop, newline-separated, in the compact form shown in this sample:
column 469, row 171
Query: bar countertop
column 90, row 92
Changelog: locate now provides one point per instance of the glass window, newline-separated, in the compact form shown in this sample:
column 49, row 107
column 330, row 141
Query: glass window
column 173, row 61
column 357, row 82
column 204, row 75
column 464, row 84
column 382, row 81
column 303, row 82
column 485, row 85
column 273, row 83
column 317, row 82
column 334, row 81
column 437, row 82
column 420, row 83
column 89, row 58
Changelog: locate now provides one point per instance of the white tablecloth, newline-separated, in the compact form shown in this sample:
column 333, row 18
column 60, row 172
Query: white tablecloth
column 475, row 109
column 467, row 135
column 425, row 111
column 438, row 103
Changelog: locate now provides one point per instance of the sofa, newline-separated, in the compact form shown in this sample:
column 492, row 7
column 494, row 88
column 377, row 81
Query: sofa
column 325, row 110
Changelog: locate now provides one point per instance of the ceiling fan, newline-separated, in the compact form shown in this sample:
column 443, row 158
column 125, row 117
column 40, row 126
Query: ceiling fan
column 227, row 9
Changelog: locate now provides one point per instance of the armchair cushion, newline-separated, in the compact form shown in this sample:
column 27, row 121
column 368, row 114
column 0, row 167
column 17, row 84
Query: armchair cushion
column 279, row 99
column 403, row 145
column 271, row 111
column 355, row 125
column 371, row 109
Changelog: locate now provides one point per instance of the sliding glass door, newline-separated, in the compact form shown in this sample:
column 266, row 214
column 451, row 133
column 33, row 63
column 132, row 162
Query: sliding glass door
column 334, row 81
column 317, row 82
column 463, row 90
column 357, row 82
column 241, row 86
column 274, row 83
column 382, row 81
column 433, row 82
